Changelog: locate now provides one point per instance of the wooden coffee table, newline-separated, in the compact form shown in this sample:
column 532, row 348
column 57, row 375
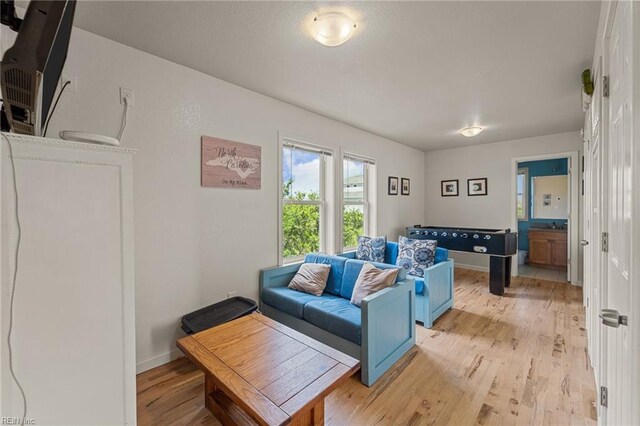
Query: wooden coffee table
column 258, row 371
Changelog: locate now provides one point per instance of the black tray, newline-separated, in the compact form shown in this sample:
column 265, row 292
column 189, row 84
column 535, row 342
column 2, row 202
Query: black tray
column 217, row 314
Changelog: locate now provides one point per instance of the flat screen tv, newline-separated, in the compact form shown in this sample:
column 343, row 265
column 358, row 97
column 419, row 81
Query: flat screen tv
column 31, row 68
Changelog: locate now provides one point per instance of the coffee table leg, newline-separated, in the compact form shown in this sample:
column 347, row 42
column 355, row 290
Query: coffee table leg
column 313, row 417
column 209, row 388
column 317, row 414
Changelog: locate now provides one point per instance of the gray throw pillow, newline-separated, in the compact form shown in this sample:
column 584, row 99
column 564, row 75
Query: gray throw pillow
column 416, row 255
column 372, row 280
column 311, row 278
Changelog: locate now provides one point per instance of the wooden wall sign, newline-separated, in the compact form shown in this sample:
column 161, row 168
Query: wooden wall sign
column 229, row 164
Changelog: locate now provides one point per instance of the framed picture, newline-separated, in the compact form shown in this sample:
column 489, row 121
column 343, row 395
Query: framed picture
column 229, row 164
column 406, row 186
column 477, row 186
column 449, row 188
column 392, row 188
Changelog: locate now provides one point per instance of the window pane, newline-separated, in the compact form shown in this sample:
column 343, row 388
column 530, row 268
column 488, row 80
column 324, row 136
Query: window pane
column 520, row 186
column 286, row 172
column 352, row 225
column 520, row 205
column 353, row 180
column 300, row 229
column 300, row 174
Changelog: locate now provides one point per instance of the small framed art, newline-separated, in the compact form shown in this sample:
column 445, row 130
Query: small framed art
column 449, row 188
column 392, row 188
column 477, row 186
column 406, row 186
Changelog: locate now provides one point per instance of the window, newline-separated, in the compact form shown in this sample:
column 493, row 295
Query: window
column 522, row 203
column 356, row 199
column 303, row 220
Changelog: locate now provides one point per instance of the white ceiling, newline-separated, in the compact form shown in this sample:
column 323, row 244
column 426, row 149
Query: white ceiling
column 414, row 72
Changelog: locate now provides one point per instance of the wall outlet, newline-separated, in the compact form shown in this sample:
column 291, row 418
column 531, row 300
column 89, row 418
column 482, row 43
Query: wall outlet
column 72, row 87
column 128, row 95
column 232, row 294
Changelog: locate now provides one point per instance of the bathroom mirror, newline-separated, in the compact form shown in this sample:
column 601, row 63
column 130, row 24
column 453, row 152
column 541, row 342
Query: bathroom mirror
column 550, row 197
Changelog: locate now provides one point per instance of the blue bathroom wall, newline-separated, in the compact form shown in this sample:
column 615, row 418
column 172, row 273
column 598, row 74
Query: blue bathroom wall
column 553, row 167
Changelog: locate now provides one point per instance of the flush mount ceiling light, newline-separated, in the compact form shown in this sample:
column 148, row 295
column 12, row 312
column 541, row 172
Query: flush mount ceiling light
column 471, row 131
column 332, row 29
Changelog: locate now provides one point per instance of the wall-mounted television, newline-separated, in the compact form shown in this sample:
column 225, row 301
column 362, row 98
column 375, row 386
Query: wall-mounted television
column 31, row 68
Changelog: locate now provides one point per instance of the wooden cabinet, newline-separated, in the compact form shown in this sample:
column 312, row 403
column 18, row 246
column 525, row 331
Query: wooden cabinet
column 548, row 247
column 539, row 251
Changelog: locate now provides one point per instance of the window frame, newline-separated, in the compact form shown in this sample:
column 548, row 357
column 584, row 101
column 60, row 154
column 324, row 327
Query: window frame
column 325, row 194
column 525, row 193
column 368, row 202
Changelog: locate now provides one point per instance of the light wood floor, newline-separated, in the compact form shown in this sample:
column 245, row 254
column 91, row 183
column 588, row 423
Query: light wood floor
column 516, row 359
column 531, row 271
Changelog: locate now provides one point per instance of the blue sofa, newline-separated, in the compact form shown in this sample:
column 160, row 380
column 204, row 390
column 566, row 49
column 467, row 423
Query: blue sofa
column 434, row 291
column 378, row 333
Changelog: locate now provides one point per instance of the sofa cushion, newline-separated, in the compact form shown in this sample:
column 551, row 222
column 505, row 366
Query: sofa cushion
column 416, row 255
column 371, row 248
column 337, row 316
column 419, row 284
column 352, row 270
column 391, row 253
column 290, row 301
column 334, row 282
column 442, row 254
column 311, row 278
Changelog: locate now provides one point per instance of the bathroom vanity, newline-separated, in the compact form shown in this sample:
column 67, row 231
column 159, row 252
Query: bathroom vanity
column 548, row 248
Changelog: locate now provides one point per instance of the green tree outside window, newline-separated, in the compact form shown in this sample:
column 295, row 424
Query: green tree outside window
column 301, row 224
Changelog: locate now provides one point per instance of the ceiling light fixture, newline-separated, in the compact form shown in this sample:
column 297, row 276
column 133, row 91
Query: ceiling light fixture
column 332, row 29
column 471, row 131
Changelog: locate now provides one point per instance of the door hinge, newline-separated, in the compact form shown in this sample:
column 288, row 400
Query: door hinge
column 604, row 397
column 587, row 301
column 605, row 86
column 605, row 242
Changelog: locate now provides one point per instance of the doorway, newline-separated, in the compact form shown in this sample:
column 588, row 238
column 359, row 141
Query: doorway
column 545, row 215
column 542, row 208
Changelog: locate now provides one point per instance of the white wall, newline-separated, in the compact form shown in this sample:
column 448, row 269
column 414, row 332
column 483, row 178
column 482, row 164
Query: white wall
column 194, row 245
column 494, row 162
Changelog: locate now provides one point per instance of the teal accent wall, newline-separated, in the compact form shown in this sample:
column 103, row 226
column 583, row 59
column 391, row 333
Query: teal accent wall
column 553, row 167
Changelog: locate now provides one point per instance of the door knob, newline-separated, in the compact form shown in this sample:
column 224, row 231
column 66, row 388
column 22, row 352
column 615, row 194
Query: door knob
column 584, row 243
column 612, row 318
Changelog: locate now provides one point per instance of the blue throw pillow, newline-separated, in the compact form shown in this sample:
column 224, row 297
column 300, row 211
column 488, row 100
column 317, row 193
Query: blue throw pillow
column 416, row 255
column 371, row 249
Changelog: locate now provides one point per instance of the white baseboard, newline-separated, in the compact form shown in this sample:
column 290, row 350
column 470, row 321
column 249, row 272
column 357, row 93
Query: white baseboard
column 472, row 267
column 157, row 361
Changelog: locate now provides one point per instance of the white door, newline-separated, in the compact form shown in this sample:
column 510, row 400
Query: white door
column 586, row 249
column 570, row 223
column 595, row 259
column 595, row 254
column 619, row 366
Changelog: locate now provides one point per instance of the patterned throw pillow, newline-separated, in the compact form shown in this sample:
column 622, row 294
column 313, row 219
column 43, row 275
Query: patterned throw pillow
column 371, row 249
column 416, row 255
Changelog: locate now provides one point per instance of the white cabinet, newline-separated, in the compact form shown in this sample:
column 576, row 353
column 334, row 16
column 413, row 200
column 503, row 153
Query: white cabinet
column 74, row 324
